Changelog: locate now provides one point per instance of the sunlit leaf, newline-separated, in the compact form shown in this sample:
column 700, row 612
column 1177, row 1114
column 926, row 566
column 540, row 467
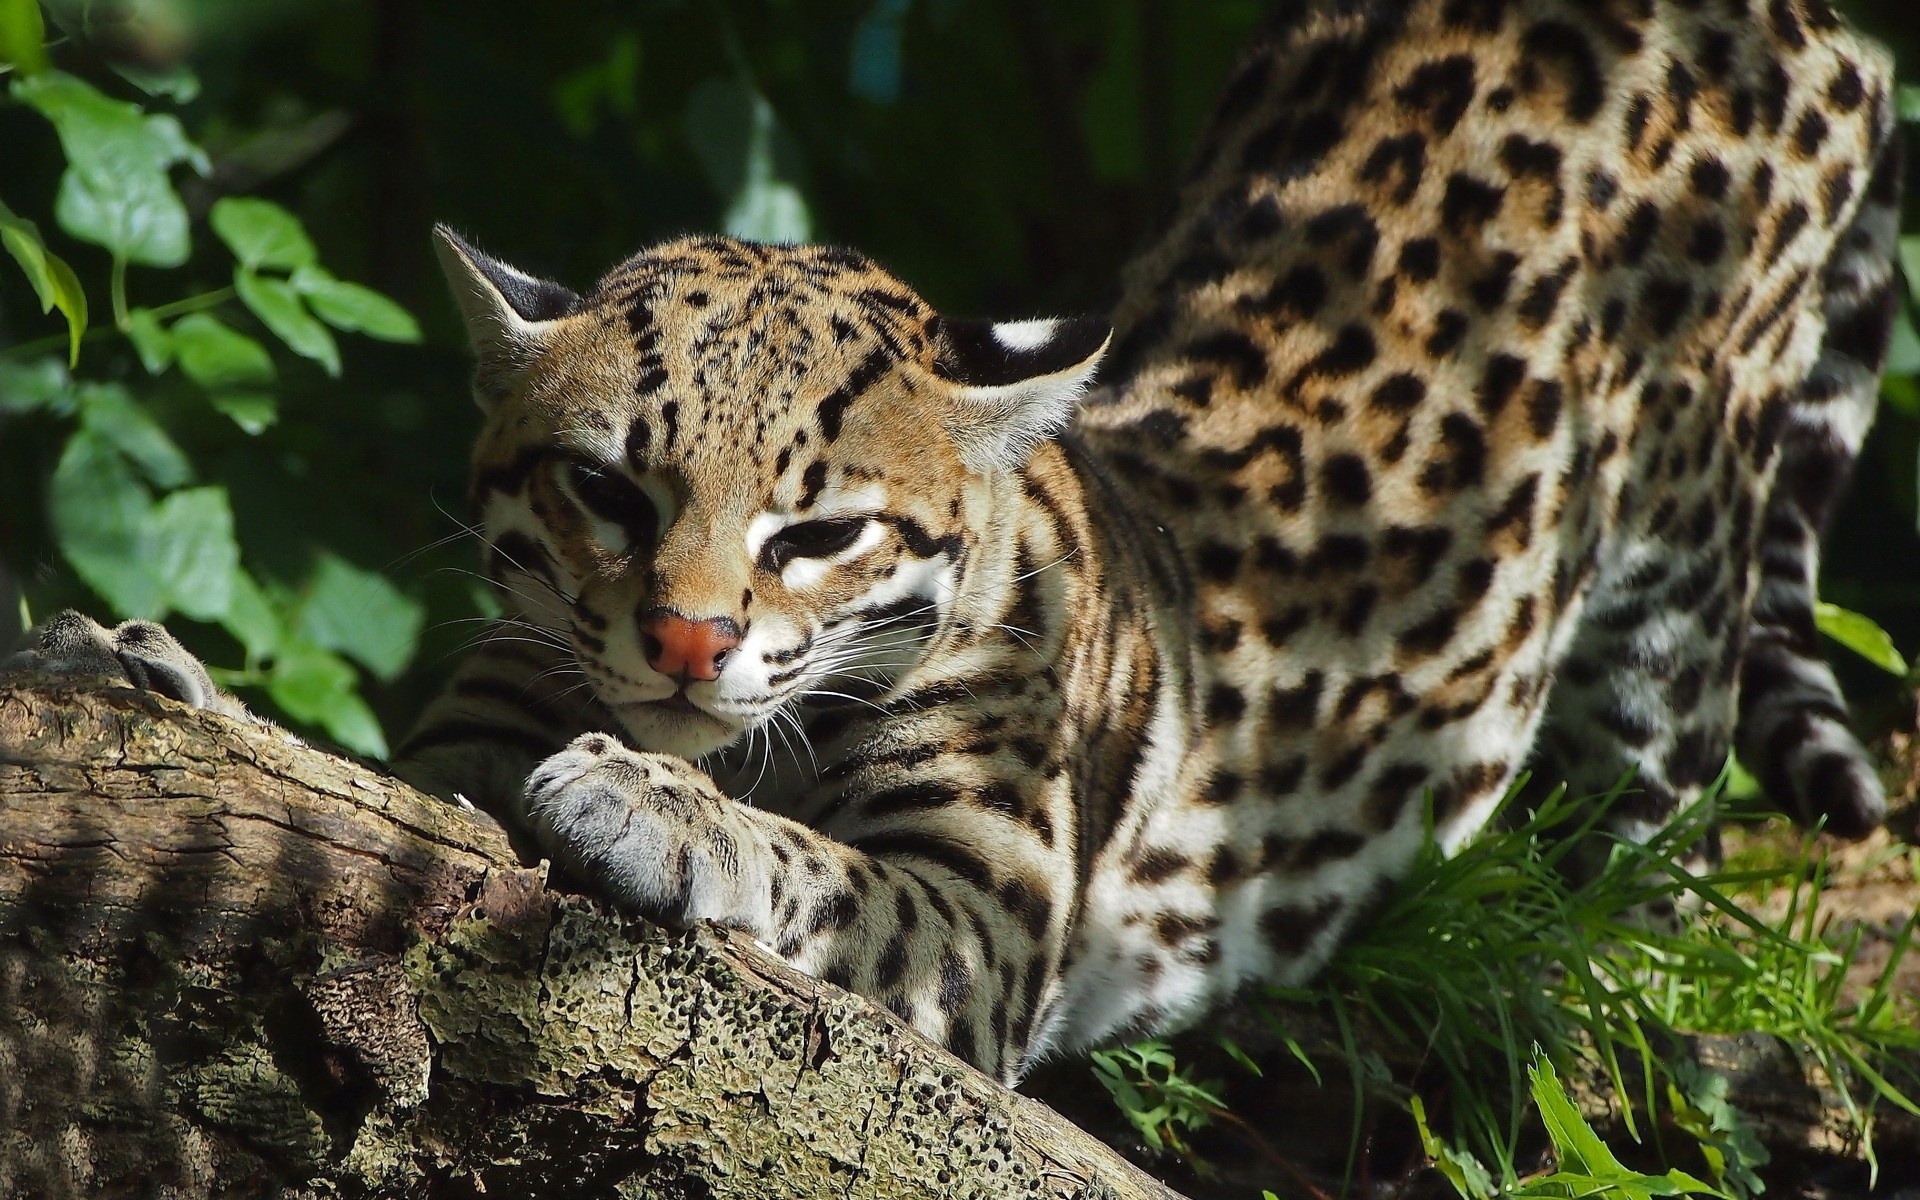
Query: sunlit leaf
column 351, row 308
column 23, row 36
column 316, row 686
column 215, row 356
column 253, row 412
column 35, row 384
column 250, row 617
column 177, row 83
column 359, row 614
column 115, row 191
column 737, row 137
column 111, row 412
column 99, row 511
column 1909, row 101
column 189, row 545
column 1861, row 635
column 1910, row 263
column 53, row 280
column 261, row 233
column 150, row 340
column 278, row 306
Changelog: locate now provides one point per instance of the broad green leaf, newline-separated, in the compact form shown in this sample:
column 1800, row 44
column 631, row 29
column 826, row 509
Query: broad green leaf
column 1909, row 100
column 99, row 511
column 111, row 412
column 1861, row 635
column 190, row 547
column 261, row 233
column 216, row 357
column 154, row 343
column 251, row 619
column 1901, row 393
column 1579, row 1147
column 1462, row 1170
column 736, row 135
column 317, row 687
column 1910, row 263
column 53, row 280
column 359, row 614
column 35, row 384
column 23, row 36
column 177, row 83
column 253, row 412
column 351, row 308
column 115, row 192
column 1903, row 348
column 279, row 308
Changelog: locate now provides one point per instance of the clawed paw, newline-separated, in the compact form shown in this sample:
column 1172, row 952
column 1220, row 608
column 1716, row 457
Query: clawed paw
column 134, row 653
column 642, row 828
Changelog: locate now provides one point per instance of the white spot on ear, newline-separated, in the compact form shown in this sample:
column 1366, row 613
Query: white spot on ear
column 1025, row 335
column 999, row 426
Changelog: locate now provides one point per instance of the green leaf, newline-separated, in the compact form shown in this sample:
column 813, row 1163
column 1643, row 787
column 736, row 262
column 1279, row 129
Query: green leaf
column 317, row 687
column 351, row 308
column 53, row 280
column 738, row 139
column 1861, row 635
column 1580, row 1148
column 35, row 384
column 216, row 357
column 154, row 344
column 261, row 233
column 1462, row 1170
column 250, row 617
column 99, row 510
column 189, row 545
column 1903, row 347
column 253, row 412
column 1910, row 263
column 23, row 36
column 278, row 306
column 111, row 413
column 1909, row 101
column 177, row 83
column 115, row 191
column 360, row 614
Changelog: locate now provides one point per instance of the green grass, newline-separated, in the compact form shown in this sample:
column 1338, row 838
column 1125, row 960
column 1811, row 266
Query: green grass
column 1491, row 968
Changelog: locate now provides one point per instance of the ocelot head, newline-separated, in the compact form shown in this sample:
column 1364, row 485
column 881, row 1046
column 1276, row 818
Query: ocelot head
column 739, row 477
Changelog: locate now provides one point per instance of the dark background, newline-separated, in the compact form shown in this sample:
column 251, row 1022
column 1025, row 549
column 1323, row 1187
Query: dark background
column 1004, row 156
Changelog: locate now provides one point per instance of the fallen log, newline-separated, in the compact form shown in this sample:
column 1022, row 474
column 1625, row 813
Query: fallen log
column 231, row 964
column 234, row 965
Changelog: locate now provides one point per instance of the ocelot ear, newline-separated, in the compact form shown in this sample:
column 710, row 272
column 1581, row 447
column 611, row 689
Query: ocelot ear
column 509, row 313
column 1016, row 382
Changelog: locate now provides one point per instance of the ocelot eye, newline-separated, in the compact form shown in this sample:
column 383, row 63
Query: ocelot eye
column 811, row 539
column 614, row 499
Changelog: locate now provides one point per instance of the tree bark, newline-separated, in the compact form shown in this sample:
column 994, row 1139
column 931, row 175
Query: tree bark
column 234, row 965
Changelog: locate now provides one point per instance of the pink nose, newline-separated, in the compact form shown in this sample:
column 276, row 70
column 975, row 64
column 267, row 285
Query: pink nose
column 687, row 649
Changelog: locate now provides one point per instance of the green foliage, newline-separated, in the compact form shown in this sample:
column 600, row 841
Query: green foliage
column 1587, row 1168
column 1487, row 960
column 1158, row 1099
column 1861, row 635
column 127, row 507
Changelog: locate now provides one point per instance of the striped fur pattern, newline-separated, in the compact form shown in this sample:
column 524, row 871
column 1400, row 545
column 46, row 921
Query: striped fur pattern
column 1480, row 406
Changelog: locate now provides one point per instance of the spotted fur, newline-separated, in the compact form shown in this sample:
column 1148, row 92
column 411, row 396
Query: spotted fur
column 1480, row 407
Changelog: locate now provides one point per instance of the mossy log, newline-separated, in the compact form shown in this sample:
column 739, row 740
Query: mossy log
column 233, row 965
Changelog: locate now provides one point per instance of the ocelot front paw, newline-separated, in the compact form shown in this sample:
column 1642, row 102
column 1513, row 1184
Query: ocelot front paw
column 647, row 830
column 136, row 653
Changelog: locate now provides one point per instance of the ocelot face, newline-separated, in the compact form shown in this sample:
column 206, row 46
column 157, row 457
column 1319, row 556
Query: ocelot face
column 739, row 479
